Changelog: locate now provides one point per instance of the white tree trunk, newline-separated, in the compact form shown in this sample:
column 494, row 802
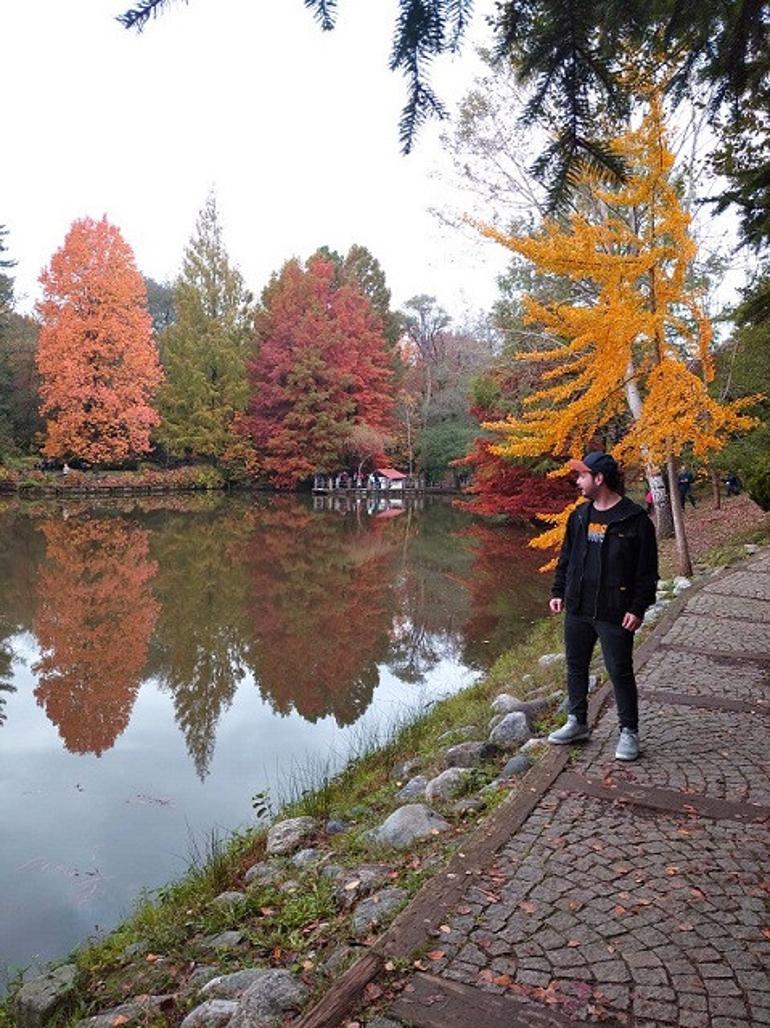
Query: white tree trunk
column 661, row 500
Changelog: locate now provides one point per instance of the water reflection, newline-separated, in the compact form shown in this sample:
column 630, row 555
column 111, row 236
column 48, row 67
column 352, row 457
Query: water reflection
column 309, row 599
column 94, row 619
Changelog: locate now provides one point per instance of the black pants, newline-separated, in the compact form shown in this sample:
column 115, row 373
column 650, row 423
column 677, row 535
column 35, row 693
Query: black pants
column 580, row 635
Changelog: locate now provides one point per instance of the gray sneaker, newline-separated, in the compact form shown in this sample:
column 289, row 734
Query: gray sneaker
column 572, row 731
column 628, row 745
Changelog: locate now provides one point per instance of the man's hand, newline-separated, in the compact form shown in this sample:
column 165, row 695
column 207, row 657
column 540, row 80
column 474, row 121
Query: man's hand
column 631, row 621
column 556, row 605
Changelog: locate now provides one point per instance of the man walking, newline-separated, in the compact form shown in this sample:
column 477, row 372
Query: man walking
column 684, row 481
column 605, row 579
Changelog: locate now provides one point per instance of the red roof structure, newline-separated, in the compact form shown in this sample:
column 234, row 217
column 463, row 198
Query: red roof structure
column 390, row 473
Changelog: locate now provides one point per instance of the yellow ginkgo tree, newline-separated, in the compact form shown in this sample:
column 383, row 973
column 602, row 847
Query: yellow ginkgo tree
column 635, row 347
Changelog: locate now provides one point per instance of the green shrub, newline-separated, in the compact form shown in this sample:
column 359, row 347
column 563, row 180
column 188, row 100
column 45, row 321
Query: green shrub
column 758, row 483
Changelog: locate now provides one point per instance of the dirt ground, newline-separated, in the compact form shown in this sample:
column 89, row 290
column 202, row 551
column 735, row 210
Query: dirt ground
column 708, row 528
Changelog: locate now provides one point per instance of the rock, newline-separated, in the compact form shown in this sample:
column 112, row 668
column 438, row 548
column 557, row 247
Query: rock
column 230, row 986
column 334, row 826
column 401, row 772
column 414, row 787
column 531, row 746
column 382, row 1022
column 465, row 754
column 550, row 659
column 463, row 732
column 495, row 721
column 374, row 911
column 135, row 949
column 304, row 858
column 653, row 613
column 332, row 870
column 516, row 766
column 288, row 836
column 468, row 805
column 225, row 940
column 358, row 882
column 40, row 998
column 229, row 899
column 593, row 681
column 751, row 548
column 505, row 703
column 264, row 873
column 136, row 1012
column 262, row 1004
column 201, row 975
column 533, row 707
column 511, row 731
column 290, row 885
column 563, row 707
column 338, row 960
column 408, row 824
column 447, row 785
column 680, row 584
column 214, row 1013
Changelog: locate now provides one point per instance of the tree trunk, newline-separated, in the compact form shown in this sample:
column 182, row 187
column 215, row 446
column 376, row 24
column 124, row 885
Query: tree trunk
column 661, row 500
column 664, row 517
column 716, row 488
column 684, row 567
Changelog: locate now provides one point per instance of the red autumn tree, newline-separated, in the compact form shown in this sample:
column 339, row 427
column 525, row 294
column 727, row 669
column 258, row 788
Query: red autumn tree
column 323, row 369
column 96, row 355
column 500, row 485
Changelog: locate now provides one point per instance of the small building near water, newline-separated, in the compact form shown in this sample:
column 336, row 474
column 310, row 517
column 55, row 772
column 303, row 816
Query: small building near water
column 380, row 480
column 389, row 478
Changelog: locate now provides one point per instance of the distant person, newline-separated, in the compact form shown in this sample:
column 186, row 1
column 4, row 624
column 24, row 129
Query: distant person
column 65, row 468
column 684, row 481
column 733, row 484
column 605, row 580
column 649, row 501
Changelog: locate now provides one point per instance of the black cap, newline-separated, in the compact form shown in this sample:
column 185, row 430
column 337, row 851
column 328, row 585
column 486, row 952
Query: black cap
column 596, row 461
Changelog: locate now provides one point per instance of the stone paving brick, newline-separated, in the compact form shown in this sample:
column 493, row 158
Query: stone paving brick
column 678, row 962
column 720, row 605
column 722, row 635
column 699, row 675
column 750, row 583
column 722, row 755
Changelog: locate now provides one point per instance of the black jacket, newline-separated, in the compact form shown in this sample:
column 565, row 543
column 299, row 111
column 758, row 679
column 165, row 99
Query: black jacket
column 629, row 563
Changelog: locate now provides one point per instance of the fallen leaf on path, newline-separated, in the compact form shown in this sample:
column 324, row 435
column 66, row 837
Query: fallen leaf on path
column 528, row 907
column 372, row 992
column 445, row 929
column 436, row 954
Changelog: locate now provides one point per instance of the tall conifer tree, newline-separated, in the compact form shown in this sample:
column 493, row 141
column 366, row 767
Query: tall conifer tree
column 204, row 351
column 96, row 356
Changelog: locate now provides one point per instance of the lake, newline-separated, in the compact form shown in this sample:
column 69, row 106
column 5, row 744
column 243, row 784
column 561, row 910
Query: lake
column 164, row 659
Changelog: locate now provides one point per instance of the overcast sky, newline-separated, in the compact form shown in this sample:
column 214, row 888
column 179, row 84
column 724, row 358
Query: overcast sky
column 297, row 130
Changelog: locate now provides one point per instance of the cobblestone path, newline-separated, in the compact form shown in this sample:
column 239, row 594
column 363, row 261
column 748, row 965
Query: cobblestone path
column 635, row 894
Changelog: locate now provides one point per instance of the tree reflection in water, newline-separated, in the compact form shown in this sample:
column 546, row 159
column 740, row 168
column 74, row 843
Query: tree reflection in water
column 94, row 619
column 199, row 593
column 321, row 609
column 201, row 650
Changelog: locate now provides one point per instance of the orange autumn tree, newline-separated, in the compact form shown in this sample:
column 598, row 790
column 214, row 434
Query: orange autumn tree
column 639, row 348
column 94, row 622
column 96, row 355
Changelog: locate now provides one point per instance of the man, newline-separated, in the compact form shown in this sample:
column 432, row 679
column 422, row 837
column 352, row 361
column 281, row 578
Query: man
column 684, row 481
column 605, row 579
